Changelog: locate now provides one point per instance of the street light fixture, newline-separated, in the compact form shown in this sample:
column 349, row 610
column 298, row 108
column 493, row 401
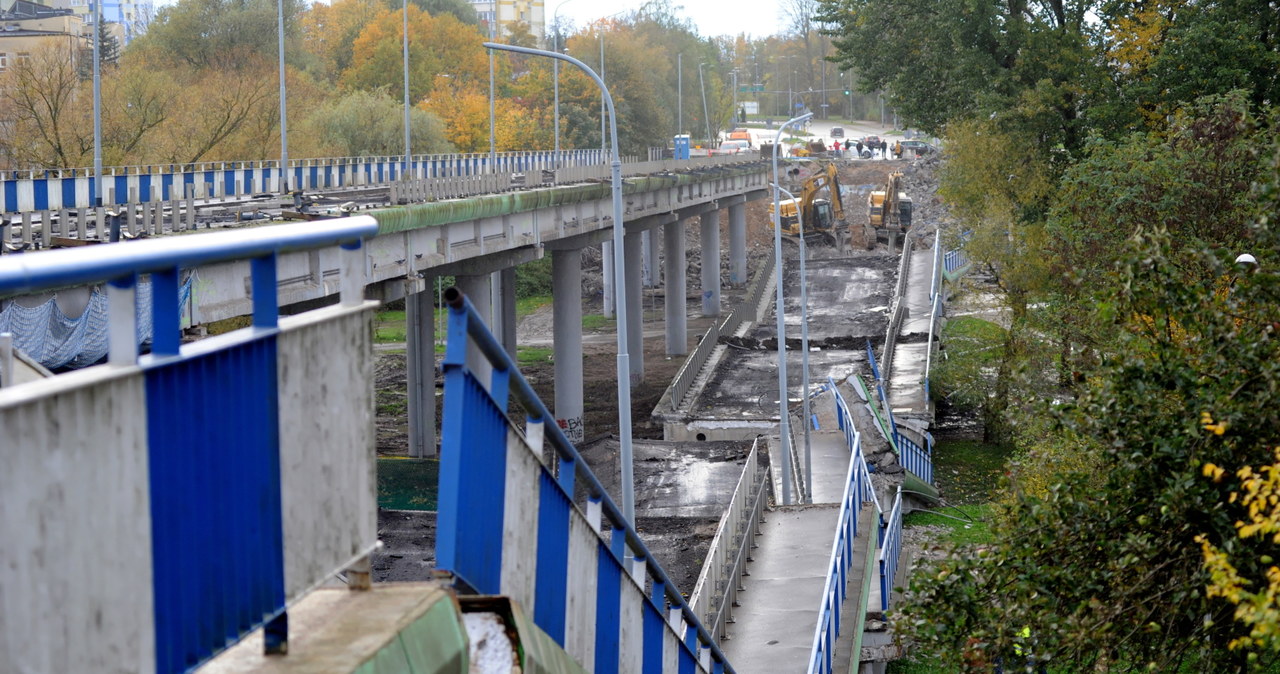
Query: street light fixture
column 784, row 428
column 804, row 345
column 620, row 282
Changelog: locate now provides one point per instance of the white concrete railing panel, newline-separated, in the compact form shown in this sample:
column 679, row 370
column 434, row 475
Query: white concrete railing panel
column 75, row 520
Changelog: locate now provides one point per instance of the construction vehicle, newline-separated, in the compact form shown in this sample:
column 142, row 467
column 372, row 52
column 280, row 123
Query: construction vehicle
column 889, row 210
column 822, row 219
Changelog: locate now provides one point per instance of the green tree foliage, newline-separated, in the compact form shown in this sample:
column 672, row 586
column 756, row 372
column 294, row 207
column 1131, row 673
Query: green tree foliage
column 218, row 33
column 108, row 51
column 371, row 123
column 1113, row 577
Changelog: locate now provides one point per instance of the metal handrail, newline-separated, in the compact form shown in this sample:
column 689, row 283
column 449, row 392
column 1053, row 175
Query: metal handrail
column 740, row 518
column 74, row 266
column 520, row 389
column 857, row 490
column 891, row 547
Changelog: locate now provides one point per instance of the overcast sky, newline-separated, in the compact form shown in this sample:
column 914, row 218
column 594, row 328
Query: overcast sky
column 757, row 18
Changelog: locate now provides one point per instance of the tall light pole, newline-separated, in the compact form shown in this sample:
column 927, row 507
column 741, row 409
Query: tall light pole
column 555, row 76
column 804, row 345
column 734, row 74
column 492, row 146
column 620, row 282
column 97, row 104
column 284, row 118
column 679, row 94
column 705, row 117
column 784, row 428
column 407, row 156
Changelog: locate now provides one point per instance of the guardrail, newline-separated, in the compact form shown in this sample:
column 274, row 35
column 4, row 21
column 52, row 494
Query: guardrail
column 51, row 189
column 746, row 311
column 913, row 457
column 857, row 491
column 716, row 592
column 199, row 479
column 890, row 549
column 898, row 311
column 508, row 524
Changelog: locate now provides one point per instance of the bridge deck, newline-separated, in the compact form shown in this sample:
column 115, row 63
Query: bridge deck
column 906, row 389
column 773, row 632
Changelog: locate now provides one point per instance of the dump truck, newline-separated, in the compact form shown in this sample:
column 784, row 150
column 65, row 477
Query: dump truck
column 822, row 219
column 889, row 209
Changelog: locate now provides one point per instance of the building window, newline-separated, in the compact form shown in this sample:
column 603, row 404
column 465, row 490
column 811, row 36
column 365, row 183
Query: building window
column 4, row 61
column 23, row 57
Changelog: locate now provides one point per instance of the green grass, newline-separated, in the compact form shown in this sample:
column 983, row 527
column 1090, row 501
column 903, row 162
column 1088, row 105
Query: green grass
column 975, row 336
column 528, row 305
column 969, row 470
column 408, row 484
column 596, row 322
column 965, row 525
column 532, row 355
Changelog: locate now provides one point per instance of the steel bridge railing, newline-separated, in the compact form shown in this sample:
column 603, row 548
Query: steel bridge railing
column 199, row 480
column 857, row 492
column 510, row 523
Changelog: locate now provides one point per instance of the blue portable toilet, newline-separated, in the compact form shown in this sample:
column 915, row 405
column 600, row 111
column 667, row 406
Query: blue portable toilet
column 681, row 147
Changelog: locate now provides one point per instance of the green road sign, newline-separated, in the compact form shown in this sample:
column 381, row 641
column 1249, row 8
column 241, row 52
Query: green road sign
column 750, row 88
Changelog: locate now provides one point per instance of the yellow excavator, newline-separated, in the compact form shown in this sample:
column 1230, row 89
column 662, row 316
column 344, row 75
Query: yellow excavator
column 822, row 218
column 889, row 209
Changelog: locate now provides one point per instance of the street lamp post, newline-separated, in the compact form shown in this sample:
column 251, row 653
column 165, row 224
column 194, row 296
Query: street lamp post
column 284, row 119
column 407, row 155
column 804, row 347
column 555, row 69
column 705, row 118
column 620, row 282
column 97, row 104
column 784, row 428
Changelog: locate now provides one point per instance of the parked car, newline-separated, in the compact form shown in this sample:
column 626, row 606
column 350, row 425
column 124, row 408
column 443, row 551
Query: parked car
column 873, row 143
column 837, row 132
column 733, row 147
column 919, row 147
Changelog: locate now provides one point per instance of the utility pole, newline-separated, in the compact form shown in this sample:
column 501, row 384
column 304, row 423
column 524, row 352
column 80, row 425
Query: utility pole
column 284, row 118
column 679, row 94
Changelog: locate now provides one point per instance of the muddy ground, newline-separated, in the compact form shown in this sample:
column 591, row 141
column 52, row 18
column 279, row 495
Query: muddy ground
column 678, row 541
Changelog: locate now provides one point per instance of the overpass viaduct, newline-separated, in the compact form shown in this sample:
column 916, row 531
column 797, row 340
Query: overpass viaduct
column 480, row 240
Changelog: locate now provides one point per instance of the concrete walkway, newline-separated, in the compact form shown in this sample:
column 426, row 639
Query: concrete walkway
column 906, row 387
column 773, row 632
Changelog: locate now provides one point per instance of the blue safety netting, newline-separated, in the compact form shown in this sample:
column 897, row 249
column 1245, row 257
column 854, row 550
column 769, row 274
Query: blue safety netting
column 60, row 342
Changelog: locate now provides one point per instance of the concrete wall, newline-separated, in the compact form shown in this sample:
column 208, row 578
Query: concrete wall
column 118, row 521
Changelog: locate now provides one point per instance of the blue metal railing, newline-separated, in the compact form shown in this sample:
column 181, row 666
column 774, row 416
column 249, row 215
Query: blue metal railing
column 890, row 549
column 470, row 541
column 212, row 478
column 911, row 455
column 835, row 590
column 52, row 189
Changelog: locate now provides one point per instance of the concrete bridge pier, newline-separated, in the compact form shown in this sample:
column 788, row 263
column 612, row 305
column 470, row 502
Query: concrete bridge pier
column 635, row 309
column 737, row 242
column 504, row 309
column 606, row 269
column 566, row 291
column 651, row 273
column 479, row 289
column 421, row 370
column 711, row 263
column 676, row 291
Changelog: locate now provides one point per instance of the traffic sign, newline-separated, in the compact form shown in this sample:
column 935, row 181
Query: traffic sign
column 750, row 88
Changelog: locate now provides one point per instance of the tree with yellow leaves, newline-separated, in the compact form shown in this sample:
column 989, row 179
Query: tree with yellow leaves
column 1257, row 600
